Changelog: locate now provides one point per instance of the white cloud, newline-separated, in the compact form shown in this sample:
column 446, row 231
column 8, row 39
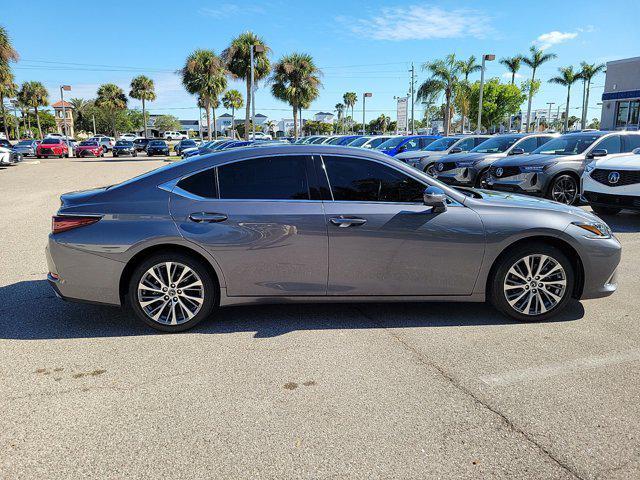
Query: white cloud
column 421, row 23
column 226, row 10
column 547, row 40
column 508, row 75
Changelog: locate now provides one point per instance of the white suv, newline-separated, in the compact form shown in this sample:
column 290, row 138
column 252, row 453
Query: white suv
column 613, row 184
column 174, row 136
column 128, row 136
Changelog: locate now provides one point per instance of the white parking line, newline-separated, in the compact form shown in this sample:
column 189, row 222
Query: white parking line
column 554, row 369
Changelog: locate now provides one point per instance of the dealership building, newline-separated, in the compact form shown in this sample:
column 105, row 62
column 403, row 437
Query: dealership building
column 621, row 97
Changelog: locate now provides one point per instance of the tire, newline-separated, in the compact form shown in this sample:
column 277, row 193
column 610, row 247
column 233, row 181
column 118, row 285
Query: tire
column 564, row 189
column 114, row 154
column 430, row 170
column 481, row 181
column 545, row 303
column 38, row 156
column 207, row 290
column 605, row 210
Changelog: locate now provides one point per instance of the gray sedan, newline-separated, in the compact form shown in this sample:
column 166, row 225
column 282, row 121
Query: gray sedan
column 306, row 223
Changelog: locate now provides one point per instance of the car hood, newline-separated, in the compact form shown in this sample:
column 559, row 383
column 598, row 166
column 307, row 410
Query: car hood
column 4, row 150
column 626, row 162
column 472, row 157
column 537, row 159
column 505, row 199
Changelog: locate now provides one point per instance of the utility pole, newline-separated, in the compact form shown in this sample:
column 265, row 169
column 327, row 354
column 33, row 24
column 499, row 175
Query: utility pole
column 490, row 58
column 549, row 119
column 413, row 81
column 558, row 115
column 364, row 99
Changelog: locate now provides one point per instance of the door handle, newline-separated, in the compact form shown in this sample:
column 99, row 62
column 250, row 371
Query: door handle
column 344, row 222
column 206, row 217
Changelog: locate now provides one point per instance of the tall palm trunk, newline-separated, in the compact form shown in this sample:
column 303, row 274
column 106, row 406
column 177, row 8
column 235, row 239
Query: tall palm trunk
column 233, row 122
column 4, row 117
column 295, row 121
column 38, row 120
column 215, row 129
column 446, row 114
column 29, row 122
column 583, row 118
column 247, row 110
column 207, row 108
column 513, row 78
column 566, row 111
column 586, row 100
column 144, row 119
column 533, row 77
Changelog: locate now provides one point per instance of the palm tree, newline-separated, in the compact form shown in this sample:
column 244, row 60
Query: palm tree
column 25, row 109
column 34, row 94
column 142, row 88
column 588, row 71
column 296, row 80
column 112, row 99
column 350, row 99
column 444, row 78
column 7, row 52
column 232, row 99
column 7, row 90
column 566, row 78
column 237, row 58
column 469, row 66
column 340, row 111
column 537, row 58
column 513, row 65
column 204, row 74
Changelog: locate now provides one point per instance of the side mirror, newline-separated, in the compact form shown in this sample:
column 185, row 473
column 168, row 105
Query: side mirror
column 435, row 197
column 598, row 152
column 517, row 151
column 455, row 150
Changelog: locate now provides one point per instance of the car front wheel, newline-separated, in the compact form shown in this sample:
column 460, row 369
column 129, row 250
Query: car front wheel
column 532, row 282
column 564, row 189
column 172, row 292
column 431, row 170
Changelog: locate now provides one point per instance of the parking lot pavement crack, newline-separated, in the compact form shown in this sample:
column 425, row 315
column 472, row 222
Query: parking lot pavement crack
column 424, row 360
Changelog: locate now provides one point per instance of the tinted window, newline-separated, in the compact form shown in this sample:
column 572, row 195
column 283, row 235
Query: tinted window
column 51, row 141
column 354, row 179
column 528, row 144
column 496, row 144
column 426, row 141
column 413, row 144
column 124, row 143
column 631, row 142
column 479, row 140
column 569, row 144
column 466, row 144
column 543, row 140
column 610, row 144
column 202, row 184
column 89, row 143
column 391, row 143
column 269, row 178
column 441, row 144
column 376, row 142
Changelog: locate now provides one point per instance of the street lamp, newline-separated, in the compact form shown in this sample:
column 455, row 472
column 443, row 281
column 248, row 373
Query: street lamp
column 489, row 58
column 364, row 98
column 64, row 88
column 252, row 49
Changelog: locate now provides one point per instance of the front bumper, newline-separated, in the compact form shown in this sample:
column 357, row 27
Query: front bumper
column 614, row 201
column 464, row 176
column 528, row 183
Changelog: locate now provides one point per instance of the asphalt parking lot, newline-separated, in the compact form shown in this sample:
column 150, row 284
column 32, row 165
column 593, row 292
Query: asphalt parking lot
column 304, row 391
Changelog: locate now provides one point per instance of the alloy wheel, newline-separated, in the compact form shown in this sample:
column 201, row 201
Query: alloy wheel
column 564, row 190
column 170, row 293
column 535, row 284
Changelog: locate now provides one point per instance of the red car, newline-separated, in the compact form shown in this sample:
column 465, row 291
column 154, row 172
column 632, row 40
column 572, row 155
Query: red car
column 52, row 147
column 89, row 148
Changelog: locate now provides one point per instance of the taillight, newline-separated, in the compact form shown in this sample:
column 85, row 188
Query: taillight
column 62, row 223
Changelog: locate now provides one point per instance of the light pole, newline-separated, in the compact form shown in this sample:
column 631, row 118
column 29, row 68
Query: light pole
column 364, row 99
column 489, row 58
column 64, row 114
column 549, row 119
column 413, row 82
column 256, row 49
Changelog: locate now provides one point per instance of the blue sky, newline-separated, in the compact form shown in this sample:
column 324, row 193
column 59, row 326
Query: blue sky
column 360, row 46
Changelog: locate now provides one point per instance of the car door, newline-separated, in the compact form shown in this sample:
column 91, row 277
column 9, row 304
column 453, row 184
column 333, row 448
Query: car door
column 384, row 241
column 263, row 222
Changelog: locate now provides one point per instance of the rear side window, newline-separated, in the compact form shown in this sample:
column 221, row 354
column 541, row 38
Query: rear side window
column 359, row 180
column 268, row 178
column 631, row 142
column 610, row 144
column 202, row 184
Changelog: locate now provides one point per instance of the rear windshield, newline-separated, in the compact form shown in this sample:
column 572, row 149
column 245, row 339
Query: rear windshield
column 571, row 144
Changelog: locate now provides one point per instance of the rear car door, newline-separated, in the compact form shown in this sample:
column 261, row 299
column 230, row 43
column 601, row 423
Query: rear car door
column 384, row 241
column 263, row 222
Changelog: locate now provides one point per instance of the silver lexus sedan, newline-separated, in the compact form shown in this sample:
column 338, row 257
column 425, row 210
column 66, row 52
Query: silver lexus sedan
column 315, row 223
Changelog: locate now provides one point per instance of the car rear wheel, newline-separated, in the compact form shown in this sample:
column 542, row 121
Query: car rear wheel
column 605, row 210
column 532, row 282
column 564, row 189
column 172, row 292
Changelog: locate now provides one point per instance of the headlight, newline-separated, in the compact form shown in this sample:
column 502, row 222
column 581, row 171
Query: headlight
column 596, row 229
column 590, row 166
column 536, row 168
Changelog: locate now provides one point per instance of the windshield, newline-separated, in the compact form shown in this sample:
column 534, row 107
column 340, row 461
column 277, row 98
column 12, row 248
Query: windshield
column 375, row 142
column 24, row 143
column 188, row 143
column 51, row 141
column 358, row 142
column 318, row 140
column 335, row 141
column 571, row 144
column 441, row 144
column 157, row 143
column 88, row 143
column 496, row 144
column 124, row 143
column 391, row 143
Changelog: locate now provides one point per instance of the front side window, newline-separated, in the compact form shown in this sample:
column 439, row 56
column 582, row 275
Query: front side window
column 466, row 144
column 413, row 144
column 631, row 142
column 360, row 180
column 266, row 178
column 611, row 144
column 528, row 144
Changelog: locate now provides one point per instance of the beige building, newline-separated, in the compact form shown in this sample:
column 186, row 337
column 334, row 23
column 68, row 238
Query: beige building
column 66, row 118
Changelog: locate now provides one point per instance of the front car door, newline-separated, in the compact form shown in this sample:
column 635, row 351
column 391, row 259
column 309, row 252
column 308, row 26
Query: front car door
column 263, row 222
column 384, row 241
